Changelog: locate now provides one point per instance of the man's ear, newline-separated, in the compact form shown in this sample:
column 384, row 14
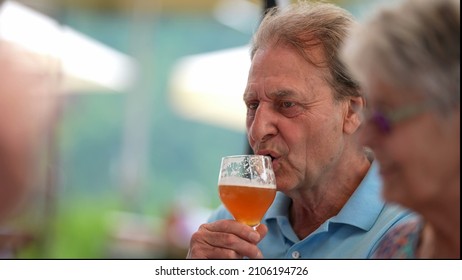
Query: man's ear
column 353, row 117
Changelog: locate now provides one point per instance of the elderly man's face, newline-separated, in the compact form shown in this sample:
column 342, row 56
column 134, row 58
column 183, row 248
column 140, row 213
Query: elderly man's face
column 292, row 116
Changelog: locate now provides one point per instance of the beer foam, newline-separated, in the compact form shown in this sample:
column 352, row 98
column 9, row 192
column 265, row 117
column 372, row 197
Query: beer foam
column 245, row 183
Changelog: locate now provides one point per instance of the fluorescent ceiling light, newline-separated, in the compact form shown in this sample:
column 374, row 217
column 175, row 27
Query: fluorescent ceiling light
column 85, row 63
column 209, row 87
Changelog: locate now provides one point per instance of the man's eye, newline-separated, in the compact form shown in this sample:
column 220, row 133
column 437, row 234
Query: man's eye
column 252, row 106
column 287, row 104
column 290, row 109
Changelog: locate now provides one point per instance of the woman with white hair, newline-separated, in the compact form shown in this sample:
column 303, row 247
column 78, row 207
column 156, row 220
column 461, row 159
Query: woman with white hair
column 407, row 59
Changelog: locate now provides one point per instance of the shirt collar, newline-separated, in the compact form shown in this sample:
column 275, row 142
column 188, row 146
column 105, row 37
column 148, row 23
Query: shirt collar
column 365, row 204
column 280, row 207
column 361, row 210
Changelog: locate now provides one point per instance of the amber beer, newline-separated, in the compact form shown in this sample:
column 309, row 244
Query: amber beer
column 247, row 204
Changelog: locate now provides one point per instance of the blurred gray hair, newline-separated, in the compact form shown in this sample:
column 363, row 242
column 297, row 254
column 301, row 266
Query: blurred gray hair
column 413, row 46
column 305, row 26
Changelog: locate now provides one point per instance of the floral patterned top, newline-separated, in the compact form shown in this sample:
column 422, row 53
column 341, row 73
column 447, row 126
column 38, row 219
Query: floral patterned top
column 401, row 242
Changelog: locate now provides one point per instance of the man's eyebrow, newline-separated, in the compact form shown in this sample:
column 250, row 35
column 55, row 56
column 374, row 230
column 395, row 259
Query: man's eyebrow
column 248, row 95
column 276, row 94
column 282, row 93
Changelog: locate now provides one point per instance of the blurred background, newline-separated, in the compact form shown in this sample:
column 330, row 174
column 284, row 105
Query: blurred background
column 151, row 102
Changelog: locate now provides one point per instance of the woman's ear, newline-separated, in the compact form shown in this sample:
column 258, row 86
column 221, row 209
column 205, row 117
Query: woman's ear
column 353, row 117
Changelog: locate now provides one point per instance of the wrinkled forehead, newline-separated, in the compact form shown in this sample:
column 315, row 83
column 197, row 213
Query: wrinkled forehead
column 309, row 48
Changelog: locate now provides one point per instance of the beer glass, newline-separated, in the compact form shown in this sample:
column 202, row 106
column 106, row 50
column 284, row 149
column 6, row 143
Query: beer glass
column 247, row 187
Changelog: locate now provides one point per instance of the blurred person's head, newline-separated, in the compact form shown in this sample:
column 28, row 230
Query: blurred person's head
column 27, row 99
column 408, row 60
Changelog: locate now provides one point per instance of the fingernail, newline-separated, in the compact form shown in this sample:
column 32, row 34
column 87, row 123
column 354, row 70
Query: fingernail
column 254, row 237
column 259, row 255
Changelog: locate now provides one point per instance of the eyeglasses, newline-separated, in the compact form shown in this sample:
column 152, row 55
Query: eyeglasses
column 384, row 121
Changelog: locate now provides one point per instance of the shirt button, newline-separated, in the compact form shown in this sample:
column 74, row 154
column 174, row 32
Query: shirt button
column 295, row 254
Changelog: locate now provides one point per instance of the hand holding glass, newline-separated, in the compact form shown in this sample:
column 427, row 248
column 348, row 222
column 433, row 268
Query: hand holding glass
column 247, row 187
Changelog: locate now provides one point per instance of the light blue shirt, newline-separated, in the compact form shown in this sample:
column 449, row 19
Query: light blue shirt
column 352, row 234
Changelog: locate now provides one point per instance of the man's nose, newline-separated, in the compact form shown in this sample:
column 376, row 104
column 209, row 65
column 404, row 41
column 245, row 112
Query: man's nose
column 263, row 126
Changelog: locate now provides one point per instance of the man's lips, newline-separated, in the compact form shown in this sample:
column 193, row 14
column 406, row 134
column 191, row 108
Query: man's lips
column 269, row 153
column 274, row 156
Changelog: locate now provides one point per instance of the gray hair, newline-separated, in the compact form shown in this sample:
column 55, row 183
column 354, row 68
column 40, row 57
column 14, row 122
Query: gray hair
column 304, row 26
column 413, row 46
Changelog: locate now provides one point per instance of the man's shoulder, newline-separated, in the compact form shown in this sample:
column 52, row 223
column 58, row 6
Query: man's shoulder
column 393, row 215
column 400, row 242
column 396, row 212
